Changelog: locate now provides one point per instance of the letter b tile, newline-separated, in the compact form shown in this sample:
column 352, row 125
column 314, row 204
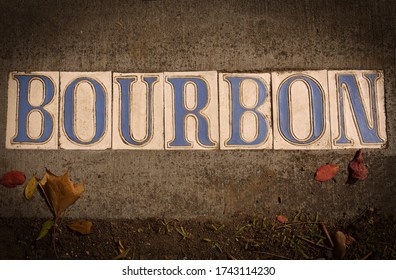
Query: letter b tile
column 32, row 117
column 245, row 111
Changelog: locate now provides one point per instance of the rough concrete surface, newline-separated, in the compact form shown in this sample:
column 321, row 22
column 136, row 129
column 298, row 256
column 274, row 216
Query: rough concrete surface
column 231, row 36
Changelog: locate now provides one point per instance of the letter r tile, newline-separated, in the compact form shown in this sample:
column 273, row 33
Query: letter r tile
column 138, row 111
column 245, row 111
column 300, row 107
column 32, row 117
column 85, row 110
column 191, row 110
column 357, row 109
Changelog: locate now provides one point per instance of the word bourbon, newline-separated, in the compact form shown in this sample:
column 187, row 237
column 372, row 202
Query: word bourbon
column 196, row 110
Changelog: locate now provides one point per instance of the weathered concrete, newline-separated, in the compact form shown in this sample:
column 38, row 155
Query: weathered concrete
column 231, row 36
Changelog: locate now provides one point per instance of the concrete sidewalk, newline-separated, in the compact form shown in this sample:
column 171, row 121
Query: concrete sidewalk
column 229, row 36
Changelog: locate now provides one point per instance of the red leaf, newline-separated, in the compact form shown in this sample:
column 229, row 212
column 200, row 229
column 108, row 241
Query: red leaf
column 12, row 179
column 326, row 172
column 282, row 219
column 356, row 167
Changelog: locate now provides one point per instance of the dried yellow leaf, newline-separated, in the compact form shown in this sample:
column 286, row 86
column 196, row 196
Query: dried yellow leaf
column 60, row 191
column 31, row 187
column 81, row 226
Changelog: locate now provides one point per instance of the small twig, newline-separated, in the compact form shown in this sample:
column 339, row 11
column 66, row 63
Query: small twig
column 307, row 240
column 367, row 256
column 313, row 243
column 272, row 255
column 123, row 254
column 379, row 242
column 297, row 223
column 55, row 226
column 283, row 241
column 231, row 257
column 240, row 230
column 317, row 217
column 183, row 232
column 327, row 235
column 301, row 251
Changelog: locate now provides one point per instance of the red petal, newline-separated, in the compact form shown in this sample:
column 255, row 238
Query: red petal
column 282, row 219
column 326, row 172
column 12, row 179
column 356, row 167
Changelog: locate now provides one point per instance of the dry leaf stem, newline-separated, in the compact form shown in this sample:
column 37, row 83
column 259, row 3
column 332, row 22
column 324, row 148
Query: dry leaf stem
column 55, row 226
column 296, row 223
column 367, row 256
column 272, row 255
column 313, row 243
column 327, row 235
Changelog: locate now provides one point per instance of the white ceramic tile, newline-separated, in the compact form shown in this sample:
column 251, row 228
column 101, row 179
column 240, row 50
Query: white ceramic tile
column 32, row 117
column 191, row 110
column 300, row 107
column 357, row 109
column 85, row 110
column 245, row 111
column 138, row 117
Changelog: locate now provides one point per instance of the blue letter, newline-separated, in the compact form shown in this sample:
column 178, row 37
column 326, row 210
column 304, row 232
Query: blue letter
column 25, row 108
column 125, row 86
column 316, row 106
column 100, row 110
column 237, row 110
column 367, row 133
column 181, row 112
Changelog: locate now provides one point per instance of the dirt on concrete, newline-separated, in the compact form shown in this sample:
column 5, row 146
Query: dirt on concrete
column 203, row 190
column 176, row 36
column 370, row 235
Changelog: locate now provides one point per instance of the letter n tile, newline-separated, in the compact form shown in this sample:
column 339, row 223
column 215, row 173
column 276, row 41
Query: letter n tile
column 357, row 109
